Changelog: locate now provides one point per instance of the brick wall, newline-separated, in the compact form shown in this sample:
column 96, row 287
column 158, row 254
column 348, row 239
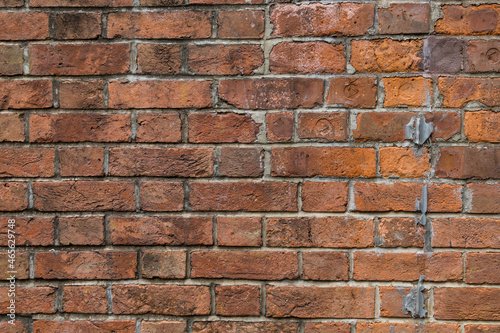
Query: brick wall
column 250, row 166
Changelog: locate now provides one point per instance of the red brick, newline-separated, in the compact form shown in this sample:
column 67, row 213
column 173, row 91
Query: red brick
column 391, row 300
column 81, row 94
column 158, row 58
column 404, row 18
column 21, row 94
column 400, row 232
column 163, row 326
column 482, row 328
column 241, row 162
column 81, row 161
column 244, row 326
column 483, row 55
column 24, row 25
column 84, row 196
column 316, row 19
column 81, row 230
column 237, row 300
column 334, row 231
column 404, row 162
column 442, row 266
column 407, row 327
column 17, row 326
column 159, row 94
column 12, row 125
column 222, row 127
column 251, row 265
column 11, row 60
column 12, row 3
column 445, row 124
column 81, row 3
column 158, row 127
column 386, row 55
column 380, row 197
column 239, row 231
column 225, row 2
column 21, row 263
column 466, row 233
column 165, row 24
column 360, row 92
column 324, row 161
column 112, row 326
column 84, row 299
column 324, row 196
column 279, row 126
column 471, row 20
column 34, row 231
column 458, row 91
column 409, row 91
column 36, row 300
column 79, row 59
column 77, row 25
column 241, row 24
column 163, row 264
column 320, row 302
column 14, row 196
column 327, row 327
column 161, row 299
column 468, row 162
column 107, row 265
column 161, row 196
column 307, row 58
column 161, row 230
column 161, row 162
column 244, row 196
column 323, row 126
column 481, row 304
column 80, row 127
column 223, row 59
column 325, row 266
column 26, row 162
column 485, row 198
column 483, row 268
column 482, row 126
column 266, row 93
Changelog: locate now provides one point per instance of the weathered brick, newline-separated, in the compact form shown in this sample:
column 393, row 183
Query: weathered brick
column 407, row 327
column 164, row 24
column 77, row 25
column 324, row 161
column 81, row 161
column 16, row 326
column 320, row 302
column 307, row 58
column 483, row 55
column 90, row 265
column 84, row 299
column 325, row 266
column 12, row 125
column 158, row 58
column 241, row 162
column 81, row 230
column 11, row 60
column 241, row 24
column 326, row 327
column 482, row 126
column 442, row 266
column 391, row 300
column 84, row 196
column 485, row 198
column 244, row 326
column 24, row 25
column 468, row 162
column 161, row 299
column 360, row 92
column 386, row 55
column 323, row 126
column 444, row 55
column 334, row 231
column 161, row 3
column 482, row 303
column 466, row 233
column 279, row 126
column 483, row 268
column 222, row 127
column 20, row 264
column 111, row 326
column 324, row 196
column 239, row 231
column 26, row 162
column 161, row 196
column 404, row 18
column 404, row 162
column 79, row 59
column 12, row 3
column 159, row 94
column 34, row 300
column 471, row 20
column 160, row 230
column 482, row 328
column 163, row 264
column 161, row 162
column 14, row 196
column 22, row 94
column 223, row 59
column 317, row 19
column 400, row 232
column 272, row 93
column 34, row 231
column 244, row 196
column 158, row 127
column 163, row 326
column 81, row 3
column 409, row 91
column 81, row 94
column 238, row 300
column 458, row 91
